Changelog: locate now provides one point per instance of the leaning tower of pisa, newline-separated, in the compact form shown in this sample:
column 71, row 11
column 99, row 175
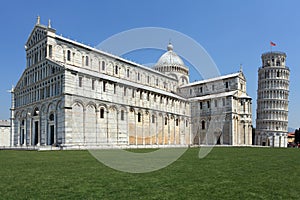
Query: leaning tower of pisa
column 272, row 100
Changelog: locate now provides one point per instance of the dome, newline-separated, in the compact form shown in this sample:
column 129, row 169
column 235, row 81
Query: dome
column 170, row 58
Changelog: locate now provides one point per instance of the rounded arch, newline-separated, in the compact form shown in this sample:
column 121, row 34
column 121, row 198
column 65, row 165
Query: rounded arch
column 167, row 115
column 132, row 109
column 91, row 107
column 51, row 116
column 77, row 56
column 184, row 80
column 110, row 66
column 113, row 108
column 18, row 114
column 58, row 48
column 147, row 112
column 50, row 107
column 144, row 77
column 152, row 112
column 141, row 111
column 91, row 104
column 160, row 114
column 102, row 64
column 172, row 116
column 44, row 108
column 103, row 106
column 122, row 107
column 133, row 75
column 58, row 105
column 59, row 52
column 29, row 111
column 173, row 75
column 152, row 80
column 95, row 58
column 122, row 70
column 78, row 101
column 35, row 111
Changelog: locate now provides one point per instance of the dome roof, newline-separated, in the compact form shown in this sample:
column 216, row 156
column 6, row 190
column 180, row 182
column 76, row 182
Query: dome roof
column 170, row 58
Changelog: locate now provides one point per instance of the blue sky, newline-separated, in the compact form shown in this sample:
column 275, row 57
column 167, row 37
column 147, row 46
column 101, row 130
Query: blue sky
column 233, row 32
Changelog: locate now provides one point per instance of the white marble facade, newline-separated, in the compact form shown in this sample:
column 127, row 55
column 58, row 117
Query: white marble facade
column 220, row 110
column 73, row 95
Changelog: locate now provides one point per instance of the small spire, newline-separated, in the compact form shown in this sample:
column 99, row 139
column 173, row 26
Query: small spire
column 38, row 21
column 49, row 23
column 241, row 68
column 12, row 89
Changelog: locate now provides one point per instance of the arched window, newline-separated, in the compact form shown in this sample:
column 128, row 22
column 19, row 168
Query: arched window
column 278, row 74
column 102, row 113
column 69, row 55
column 278, row 63
column 93, row 84
column 122, row 115
column 86, row 61
column 80, row 81
column 50, row 51
column 177, row 122
column 116, row 69
column 104, row 86
column 166, row 121
column 141, row 94
column 128, row 73
column 203, row 124
column 51, row 117
column 153, row 119
column 139, row 117
column 36, row 112
column 103, row 65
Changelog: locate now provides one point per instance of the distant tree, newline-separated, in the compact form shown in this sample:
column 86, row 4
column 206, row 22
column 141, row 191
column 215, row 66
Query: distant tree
column 297, row 136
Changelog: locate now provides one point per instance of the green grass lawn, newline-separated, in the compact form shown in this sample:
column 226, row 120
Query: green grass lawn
column 226, row 173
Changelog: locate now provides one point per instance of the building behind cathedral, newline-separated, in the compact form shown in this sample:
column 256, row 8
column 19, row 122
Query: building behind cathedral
column 74, row 96
column 5, row 132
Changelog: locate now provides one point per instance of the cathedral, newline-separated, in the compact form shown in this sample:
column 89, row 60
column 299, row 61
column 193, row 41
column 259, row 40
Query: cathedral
column 71, row 95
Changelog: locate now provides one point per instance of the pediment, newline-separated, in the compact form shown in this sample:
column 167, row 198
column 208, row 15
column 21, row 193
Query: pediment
column 38, row 33
column 23, row 79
